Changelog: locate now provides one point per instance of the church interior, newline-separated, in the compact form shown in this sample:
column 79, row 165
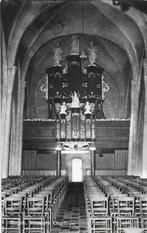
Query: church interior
column 74, row 116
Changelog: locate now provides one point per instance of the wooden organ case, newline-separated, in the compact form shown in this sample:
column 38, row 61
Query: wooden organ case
column 75, row 98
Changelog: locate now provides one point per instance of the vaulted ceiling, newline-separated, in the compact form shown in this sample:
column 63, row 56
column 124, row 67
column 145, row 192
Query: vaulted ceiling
column 42, row 23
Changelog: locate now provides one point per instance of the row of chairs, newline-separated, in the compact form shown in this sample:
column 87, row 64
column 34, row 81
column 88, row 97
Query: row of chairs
column 34, row 208
column 114, row 189
column 17, row 183
column 28, row 187
column 112, row 208
column 129, row 196
column 127, row 185
column 96, row 208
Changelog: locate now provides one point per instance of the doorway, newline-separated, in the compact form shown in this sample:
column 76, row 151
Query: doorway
column 77, row 175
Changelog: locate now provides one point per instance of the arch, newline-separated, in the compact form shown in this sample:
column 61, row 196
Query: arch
column 109, row 23
column 132, row 42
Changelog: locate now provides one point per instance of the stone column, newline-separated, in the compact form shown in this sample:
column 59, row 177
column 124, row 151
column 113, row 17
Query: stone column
column 58, row 166
column 133, row 137
column 8, row 83
column 12, row 157
column 20, row 107
column 92, row 152
column 17, row 129
column 144, row 143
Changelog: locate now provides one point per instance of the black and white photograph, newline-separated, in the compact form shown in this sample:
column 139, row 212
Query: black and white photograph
column 73, row 116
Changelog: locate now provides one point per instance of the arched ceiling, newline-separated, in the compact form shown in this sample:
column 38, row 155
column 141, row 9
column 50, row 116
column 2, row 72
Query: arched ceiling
column 111, row 57
column 101, row 20
column 116, row 35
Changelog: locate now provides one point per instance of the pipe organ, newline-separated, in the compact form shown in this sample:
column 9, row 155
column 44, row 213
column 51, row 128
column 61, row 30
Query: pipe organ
column 75, row 93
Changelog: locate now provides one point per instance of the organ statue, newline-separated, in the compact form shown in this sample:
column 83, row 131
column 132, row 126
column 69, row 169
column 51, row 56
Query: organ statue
column 57, row 55
column 75, row 91
column 92, row 54
column 75, row 46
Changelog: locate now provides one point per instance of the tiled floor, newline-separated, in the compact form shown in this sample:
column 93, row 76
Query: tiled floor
column 72, row 214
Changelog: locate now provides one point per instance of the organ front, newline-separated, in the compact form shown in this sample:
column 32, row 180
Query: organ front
column 76, row 91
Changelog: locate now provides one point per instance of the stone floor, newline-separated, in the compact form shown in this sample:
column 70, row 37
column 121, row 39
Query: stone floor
column 72, row 214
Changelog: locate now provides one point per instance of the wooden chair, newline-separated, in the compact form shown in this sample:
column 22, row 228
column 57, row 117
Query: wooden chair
column 12, row 218
column 143, row 221
column 143, row 201
column 125, row 206
column 99, row 205
column 13, row 205
column 36, row 219
column 133, row 230
column 138, row 204
column 99, row 224
column 125, row 222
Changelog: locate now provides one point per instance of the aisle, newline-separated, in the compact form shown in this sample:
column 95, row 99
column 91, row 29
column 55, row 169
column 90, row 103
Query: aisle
column 72, row 214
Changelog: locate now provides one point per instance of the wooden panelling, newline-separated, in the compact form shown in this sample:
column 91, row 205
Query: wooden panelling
column 121, row 132
column 39, row 144
column 39, row 134
column 110, row 134
column 39, row 172
column 112, row 163
column 39, row 160
column 110, row 172
column 121, row 157
column 104, row 162
column 46, row 161
column 103, row 131
column 39, row 129
column 29, row 159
